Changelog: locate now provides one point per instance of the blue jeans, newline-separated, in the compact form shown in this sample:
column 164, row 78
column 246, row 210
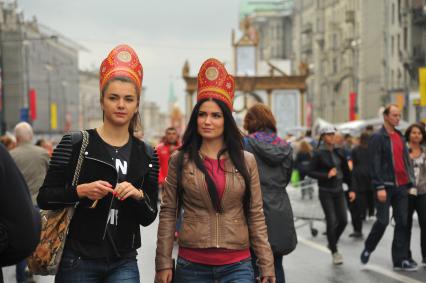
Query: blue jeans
column 20, row 271
column 397, row 197
column 75, row 269
column 239, row 272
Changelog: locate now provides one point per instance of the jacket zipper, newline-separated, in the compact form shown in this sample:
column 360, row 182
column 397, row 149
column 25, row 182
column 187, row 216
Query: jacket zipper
column 60, row 202
column 146, row 198
column 226, row 189
column 217, row 213
column 112, row 199
column 217, row 229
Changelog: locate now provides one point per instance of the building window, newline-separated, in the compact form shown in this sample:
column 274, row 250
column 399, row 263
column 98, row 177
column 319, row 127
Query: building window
column 399, row 11
column 393, row 13
column 392, row 45
column 334, row 41
column 334, row 65
column 398, row 42
column 405, row 35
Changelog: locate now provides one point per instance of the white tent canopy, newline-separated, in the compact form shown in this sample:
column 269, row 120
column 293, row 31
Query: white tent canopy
column 355, row 128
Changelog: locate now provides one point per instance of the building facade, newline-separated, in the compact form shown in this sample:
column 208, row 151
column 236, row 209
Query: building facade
column 361, row 54
column 272, row 21
column 39, row 72
column 154, row 122
column 90, row 113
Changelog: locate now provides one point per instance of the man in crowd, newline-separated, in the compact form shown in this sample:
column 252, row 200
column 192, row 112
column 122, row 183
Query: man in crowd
column 165, row 149
column 392, row 175
column 33, row 162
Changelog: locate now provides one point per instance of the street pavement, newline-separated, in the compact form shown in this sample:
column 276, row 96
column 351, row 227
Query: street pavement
column 310, row 262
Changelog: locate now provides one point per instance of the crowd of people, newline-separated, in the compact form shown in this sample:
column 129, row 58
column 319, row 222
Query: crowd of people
column 222, row 195
column 381, row 169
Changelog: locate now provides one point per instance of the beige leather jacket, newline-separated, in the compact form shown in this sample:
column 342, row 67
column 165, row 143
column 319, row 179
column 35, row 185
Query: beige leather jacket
column 202, row 226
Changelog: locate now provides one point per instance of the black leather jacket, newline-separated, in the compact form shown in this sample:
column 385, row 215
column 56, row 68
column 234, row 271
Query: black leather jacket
column 89, row 225
column 322, row 162
column 381, row 154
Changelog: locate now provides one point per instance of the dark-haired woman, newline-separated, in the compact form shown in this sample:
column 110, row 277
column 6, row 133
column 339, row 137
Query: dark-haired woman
column 330, row 167
column 117, row 188
column 416, row 136
column 217, row 184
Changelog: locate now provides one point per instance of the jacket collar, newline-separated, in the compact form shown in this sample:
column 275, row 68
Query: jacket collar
column 384, row 132
column 139, row 160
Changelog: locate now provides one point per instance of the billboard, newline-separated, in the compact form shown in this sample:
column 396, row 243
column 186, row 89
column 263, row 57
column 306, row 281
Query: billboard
column 286, row 108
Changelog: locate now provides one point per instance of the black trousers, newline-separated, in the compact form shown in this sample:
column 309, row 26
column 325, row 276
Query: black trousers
column 417, row 204
column 334, row 207
column 358, row 210
column 397, row 197
column 371, row 202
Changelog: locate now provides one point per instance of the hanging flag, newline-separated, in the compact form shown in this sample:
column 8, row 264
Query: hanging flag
column 352, row 106
column 422, row 86
column 53, row 116
column 33, row 104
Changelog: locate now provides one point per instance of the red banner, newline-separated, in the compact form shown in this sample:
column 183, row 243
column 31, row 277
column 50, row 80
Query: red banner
column 352, row 106
column 33, row 104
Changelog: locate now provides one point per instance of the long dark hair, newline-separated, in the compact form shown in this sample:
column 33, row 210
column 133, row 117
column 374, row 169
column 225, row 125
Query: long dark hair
column 135, row 122
column 420, row 128
column 191, row 144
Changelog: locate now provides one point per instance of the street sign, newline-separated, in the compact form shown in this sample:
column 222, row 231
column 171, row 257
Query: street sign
column 23, row 114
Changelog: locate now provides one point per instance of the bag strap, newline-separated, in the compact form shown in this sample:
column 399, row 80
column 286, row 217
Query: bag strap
column 84, row 144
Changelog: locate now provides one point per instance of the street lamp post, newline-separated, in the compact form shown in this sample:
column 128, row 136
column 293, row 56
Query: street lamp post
column 2, row 100
column 65, row 106
column 49, row 69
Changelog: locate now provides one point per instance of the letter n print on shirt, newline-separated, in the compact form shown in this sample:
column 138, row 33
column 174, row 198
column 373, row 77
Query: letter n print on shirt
column 121, row 166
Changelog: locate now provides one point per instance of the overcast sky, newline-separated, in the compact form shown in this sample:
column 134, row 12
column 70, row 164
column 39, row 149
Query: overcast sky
column 163, row 33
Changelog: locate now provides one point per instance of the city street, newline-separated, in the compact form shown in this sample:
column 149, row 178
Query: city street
column 310, row 262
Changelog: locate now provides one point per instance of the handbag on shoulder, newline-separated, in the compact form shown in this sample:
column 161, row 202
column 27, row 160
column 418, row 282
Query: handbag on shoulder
column 54, row 228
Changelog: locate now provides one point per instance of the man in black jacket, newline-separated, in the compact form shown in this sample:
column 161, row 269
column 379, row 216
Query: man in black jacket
column 19, row 228
column 392, row 175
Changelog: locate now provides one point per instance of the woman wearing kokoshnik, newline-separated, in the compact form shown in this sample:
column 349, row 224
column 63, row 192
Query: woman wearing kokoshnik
column 217, row 184
column 117, row 188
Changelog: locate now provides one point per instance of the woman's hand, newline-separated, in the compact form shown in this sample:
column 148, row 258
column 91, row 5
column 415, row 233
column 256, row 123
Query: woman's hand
column 95, row 190
column 332, row 172
column 163, row 276
column 268, row 279
column 381, row 196
column 352, row 196
column 125, row 190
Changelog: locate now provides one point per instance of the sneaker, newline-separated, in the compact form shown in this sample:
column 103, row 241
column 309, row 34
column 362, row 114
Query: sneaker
column 337, row 258
column 413, row 262
column 365, row 256
column 405, row 265
column 356, row 235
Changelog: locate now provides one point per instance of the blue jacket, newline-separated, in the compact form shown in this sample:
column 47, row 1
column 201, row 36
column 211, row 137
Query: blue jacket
column 382, row 166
